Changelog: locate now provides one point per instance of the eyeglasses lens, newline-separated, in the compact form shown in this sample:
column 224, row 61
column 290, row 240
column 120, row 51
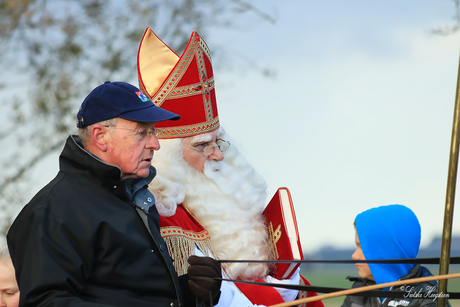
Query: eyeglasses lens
column 223, row 145
column 209, row 150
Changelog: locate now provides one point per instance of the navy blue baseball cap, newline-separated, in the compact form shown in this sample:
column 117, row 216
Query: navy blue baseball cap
column 120, row 99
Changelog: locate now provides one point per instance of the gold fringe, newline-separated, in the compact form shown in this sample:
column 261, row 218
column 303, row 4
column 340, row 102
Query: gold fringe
column 181, row 246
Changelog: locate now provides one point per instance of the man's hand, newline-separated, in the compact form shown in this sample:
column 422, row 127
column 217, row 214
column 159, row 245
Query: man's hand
column 201, row 272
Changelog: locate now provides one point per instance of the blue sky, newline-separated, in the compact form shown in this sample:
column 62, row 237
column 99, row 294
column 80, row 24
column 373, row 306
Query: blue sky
column 358, row 115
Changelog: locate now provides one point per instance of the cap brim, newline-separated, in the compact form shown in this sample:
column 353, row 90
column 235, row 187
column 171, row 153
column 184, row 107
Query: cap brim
column 152, row 114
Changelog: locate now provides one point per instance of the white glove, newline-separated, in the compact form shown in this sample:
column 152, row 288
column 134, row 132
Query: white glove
column 287, row 294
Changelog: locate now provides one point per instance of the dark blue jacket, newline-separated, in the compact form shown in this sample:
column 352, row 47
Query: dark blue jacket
column 81, row 242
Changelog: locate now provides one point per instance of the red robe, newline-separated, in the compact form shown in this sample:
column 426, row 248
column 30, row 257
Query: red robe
column 182, row 233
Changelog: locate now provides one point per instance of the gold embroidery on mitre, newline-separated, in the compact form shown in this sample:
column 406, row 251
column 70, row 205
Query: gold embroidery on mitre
column 191, row 90
column 170, row 84
column 190, row 130
column 203, row 86
column 196, row 50
column 274, row 237
column 181, row 245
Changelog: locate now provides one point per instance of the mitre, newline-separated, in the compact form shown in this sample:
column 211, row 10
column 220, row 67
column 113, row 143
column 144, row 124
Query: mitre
column 183, row 85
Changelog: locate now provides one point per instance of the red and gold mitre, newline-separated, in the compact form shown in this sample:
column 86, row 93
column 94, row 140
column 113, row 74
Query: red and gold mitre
column 183, row 85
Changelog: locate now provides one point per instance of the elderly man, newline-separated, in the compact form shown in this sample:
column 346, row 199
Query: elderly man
column 210, row 202
column 91, row 236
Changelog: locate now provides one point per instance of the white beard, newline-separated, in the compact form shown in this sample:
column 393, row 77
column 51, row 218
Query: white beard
column 227, row 199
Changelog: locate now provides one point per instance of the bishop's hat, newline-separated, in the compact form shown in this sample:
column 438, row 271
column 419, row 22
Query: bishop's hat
column 183, row 85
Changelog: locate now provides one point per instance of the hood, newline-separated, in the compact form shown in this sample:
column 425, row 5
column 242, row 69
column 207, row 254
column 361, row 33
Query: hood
column 388, row 232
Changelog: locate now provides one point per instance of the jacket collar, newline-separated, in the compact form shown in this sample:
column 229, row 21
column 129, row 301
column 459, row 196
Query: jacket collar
column 74, row 158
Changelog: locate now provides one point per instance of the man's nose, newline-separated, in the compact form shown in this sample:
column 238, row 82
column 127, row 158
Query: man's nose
column 217, row 154
column 153, row 143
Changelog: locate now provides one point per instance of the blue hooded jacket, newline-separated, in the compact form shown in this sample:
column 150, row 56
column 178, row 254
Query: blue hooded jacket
column 388, row 232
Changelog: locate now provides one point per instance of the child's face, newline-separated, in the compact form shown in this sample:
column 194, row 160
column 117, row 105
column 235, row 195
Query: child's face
column 9, row 291
column 363, row 268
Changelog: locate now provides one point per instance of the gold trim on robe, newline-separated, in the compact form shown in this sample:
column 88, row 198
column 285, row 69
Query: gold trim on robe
column 182, row 233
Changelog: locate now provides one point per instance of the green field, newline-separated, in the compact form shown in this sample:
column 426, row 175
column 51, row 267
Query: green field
column 337, row 278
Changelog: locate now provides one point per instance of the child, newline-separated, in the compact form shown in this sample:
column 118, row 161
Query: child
column 9, row 292
column 389, row 232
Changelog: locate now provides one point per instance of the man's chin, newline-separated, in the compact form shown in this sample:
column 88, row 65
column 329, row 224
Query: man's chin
column 142, row 173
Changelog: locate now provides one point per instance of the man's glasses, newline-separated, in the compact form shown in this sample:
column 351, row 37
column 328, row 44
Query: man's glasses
column 141, row 134
column 209, row 150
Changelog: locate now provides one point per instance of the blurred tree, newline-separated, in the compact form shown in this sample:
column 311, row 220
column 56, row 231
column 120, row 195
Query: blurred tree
column 52, row 53
column 448, row 30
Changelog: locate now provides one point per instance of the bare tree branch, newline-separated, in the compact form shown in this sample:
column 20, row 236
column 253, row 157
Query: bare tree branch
column 448, row 30
column 254, row 9
column 34, row 160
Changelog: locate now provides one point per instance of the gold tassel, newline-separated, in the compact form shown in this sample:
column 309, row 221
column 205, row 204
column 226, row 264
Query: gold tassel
column 182, row 247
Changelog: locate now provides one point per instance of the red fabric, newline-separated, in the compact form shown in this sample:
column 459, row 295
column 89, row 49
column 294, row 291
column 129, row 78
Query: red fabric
column 184, row 224
column 183, row 219
column 188, row 91
column 304, row 294
column 260, row 295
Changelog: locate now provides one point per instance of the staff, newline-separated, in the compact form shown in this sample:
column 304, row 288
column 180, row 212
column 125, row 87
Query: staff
column 450, row 197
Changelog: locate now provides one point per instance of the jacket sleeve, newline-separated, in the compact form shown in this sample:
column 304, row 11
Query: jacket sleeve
column 51, row 259
column 429, row 303
column 429, row 299
column 346, row 302
column 354, row 300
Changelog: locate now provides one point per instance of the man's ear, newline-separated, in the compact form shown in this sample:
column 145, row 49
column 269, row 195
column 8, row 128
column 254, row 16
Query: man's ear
column 99, row 135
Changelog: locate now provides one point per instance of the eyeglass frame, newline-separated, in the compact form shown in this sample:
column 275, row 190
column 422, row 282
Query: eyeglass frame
column 138, row 131
column 214, row 146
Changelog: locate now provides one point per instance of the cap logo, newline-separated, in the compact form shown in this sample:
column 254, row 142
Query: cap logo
column 142, row 97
